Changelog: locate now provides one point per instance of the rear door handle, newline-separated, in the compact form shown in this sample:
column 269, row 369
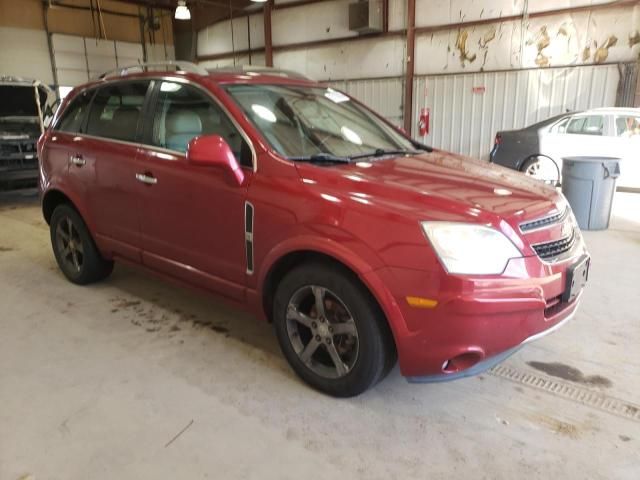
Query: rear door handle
column 77, row 160
column 146, row 178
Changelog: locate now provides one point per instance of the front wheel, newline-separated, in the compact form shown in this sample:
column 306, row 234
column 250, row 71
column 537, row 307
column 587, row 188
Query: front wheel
column 74, row 249
column 331, row 331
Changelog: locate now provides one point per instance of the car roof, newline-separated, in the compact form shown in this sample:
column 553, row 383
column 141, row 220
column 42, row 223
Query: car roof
column 614, row 110
column 218, row 76
column 550, row 120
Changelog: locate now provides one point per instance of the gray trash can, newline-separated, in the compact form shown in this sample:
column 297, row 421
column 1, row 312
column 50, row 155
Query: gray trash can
column 589, row 184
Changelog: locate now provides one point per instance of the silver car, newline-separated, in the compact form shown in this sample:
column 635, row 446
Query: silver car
column 25, row 108
column 538, row 150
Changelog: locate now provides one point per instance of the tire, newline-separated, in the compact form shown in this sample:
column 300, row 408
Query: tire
column 352, row 327
column 541, row 168
column 79, row 258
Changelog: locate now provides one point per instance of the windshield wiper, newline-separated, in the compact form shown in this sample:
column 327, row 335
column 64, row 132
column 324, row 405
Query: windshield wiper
column 380, row 152
column 321, row 158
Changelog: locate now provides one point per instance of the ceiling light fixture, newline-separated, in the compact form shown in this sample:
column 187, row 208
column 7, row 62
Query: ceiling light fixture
column 259, row 1
column 182, row 11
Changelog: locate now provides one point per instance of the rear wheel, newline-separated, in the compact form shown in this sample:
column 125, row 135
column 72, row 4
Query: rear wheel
column 330, row 330
column 542, row 168
column 74, row 249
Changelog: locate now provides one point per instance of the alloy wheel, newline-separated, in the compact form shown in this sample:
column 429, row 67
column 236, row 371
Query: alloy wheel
column 69, row 245
column 322, row 331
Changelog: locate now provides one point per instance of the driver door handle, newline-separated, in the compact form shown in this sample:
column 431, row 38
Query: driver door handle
column 146, row 178
column 77, row 160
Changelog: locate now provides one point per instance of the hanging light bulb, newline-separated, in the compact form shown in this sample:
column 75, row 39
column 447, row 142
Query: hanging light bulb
column 182, row 11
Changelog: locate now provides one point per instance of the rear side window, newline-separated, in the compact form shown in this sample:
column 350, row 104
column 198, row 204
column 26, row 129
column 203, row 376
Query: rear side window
column 587, row 125
column 627, row 126
column 73, row 117
column 116, row 111
column 183, row 112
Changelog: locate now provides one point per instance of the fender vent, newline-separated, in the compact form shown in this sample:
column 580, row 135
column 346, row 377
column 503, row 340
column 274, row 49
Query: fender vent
column 248, row 235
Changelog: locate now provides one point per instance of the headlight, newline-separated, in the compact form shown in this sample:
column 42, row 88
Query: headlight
column 466, row 248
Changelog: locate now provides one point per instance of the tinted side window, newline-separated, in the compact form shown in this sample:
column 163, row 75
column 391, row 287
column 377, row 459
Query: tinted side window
column 575, row 125
column 116, row 110
column 183, row 113
column 587, row 125
column 73, row 117
column 594, row 125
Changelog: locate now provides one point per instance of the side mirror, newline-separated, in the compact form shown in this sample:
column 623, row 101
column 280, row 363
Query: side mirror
column 214, row 151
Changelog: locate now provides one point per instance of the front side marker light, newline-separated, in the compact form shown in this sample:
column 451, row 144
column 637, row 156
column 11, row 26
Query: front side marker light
column 420, row 302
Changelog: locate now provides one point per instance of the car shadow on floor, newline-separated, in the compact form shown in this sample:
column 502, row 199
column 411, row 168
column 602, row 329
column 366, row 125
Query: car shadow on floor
column 158, row 306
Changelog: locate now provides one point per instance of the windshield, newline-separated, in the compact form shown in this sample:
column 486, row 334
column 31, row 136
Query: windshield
column 301, row 121
column 18, row 101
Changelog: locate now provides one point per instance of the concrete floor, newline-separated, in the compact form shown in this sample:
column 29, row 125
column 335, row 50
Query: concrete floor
column 97, row 382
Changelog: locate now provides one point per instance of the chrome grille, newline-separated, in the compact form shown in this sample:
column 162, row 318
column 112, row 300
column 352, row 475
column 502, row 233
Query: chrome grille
column 555, row 248
column 544, row 221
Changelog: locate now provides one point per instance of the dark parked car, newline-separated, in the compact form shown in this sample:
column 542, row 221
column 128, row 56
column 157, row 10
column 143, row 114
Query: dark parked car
column 538, row 150
column 524, row 150
column 24, row 105
column 299, row 203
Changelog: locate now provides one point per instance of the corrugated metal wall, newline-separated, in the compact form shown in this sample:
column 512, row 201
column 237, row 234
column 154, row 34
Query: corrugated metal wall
column 466, row 110
column 382, row 95
column 79, row 59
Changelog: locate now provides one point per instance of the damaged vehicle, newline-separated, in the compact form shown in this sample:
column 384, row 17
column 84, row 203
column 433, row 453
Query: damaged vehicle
column 26, row 106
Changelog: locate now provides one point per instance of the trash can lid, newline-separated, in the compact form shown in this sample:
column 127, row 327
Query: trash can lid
column 590, row 159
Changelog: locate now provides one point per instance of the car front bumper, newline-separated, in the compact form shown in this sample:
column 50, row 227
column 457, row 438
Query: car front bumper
column 491, row 362
column 477, row 322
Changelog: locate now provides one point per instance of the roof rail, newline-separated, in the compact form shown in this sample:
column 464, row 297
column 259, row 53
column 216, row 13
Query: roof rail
column 258, row 69
column 178, row 66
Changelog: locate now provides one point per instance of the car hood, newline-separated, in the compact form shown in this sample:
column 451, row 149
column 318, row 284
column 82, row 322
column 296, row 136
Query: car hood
column 435, row 186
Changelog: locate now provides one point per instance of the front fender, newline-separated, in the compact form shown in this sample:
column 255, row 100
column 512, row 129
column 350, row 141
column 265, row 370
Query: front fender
column 364, row 263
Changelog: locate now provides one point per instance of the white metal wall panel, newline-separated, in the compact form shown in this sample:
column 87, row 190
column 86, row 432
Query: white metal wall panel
column 101, row 56
column 466, row 110
column 315, row 21
column 128, row 53
column 79, row 59
column 70, row 59
column 24, row 53
column 159, row 52
column 382, row 95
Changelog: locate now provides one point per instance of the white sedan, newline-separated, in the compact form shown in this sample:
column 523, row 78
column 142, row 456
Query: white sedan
column 538, row 150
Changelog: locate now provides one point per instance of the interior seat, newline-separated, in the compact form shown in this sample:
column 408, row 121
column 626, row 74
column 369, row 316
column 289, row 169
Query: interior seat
column 181, row 127
column 124, row 123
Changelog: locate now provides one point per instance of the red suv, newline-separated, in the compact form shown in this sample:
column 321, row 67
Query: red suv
column 298, row 202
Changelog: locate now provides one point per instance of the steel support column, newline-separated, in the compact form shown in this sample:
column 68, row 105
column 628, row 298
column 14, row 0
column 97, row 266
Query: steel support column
column 268, row 45
column 410, row 65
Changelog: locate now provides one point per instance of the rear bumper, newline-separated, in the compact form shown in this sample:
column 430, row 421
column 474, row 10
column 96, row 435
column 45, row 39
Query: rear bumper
column 477, row 322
